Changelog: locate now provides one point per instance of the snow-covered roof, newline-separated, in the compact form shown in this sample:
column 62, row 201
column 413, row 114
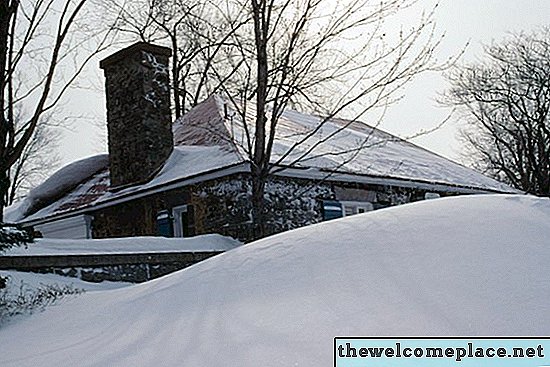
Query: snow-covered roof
column 339, row 145
column 212, row 137
column 57, row 186
column 184, row 162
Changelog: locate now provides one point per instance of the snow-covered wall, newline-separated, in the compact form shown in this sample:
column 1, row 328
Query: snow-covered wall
column 135, row 268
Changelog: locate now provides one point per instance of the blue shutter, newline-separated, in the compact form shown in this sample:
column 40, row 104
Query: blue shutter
column 164, row 224
column 332, row 210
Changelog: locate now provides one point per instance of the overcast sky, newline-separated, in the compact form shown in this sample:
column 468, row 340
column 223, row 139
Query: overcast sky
column 477, row 21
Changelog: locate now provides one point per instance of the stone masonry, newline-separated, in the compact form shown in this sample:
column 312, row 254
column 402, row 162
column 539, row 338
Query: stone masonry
column 138, row 112
column 223, row 206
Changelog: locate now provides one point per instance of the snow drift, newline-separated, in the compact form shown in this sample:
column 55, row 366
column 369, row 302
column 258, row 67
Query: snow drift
column 463, row 266
column 124, row 245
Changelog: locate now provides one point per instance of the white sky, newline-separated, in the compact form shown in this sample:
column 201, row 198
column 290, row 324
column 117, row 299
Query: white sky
column 477, row 21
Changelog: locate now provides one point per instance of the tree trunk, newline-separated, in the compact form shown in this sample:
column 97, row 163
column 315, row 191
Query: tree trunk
column 258, row 207
column 4, row 188
column 175, row 75
column 260, row 168
column 5, row 17
column 6, row 12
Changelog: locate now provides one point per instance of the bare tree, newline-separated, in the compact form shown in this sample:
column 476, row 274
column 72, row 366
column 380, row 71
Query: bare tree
column 201, row 36
column 505, row 102
column 37, row 161
column 329, row 58
column 44, row 46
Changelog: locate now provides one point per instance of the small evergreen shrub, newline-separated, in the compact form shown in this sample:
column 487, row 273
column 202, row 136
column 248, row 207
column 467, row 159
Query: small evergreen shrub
column 11, row 235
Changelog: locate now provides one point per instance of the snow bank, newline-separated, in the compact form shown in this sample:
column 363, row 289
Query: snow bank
column 30, row 281
column 49, row 246
column 57, row 185
column 475, row 265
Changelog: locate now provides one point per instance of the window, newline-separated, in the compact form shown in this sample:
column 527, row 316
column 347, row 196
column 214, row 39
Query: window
column 356, row 207
column 337, row 209
column 184, row 221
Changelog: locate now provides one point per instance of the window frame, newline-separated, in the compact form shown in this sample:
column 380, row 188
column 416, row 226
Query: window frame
column 355, row 206
column 177, row 220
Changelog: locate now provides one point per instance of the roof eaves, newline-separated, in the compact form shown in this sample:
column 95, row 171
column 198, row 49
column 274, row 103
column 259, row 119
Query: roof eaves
column 240, row 167
column 341, row 176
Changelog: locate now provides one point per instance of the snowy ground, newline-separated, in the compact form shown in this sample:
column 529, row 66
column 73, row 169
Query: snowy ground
column 29, row 286
column 463, row 266
column 48, row 246
column 31, row 281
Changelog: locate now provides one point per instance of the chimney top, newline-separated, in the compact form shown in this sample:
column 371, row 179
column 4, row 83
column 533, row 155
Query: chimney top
column 136, row 47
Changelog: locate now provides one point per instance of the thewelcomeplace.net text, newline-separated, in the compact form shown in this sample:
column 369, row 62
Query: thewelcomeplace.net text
column 469, row 350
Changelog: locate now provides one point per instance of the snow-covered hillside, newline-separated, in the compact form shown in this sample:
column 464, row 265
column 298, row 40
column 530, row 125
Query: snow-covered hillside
column 475, row 265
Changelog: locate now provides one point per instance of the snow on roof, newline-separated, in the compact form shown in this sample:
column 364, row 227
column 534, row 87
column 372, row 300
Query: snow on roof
column 462, row 266
column 339, row 145
column 185, row 161
column 129, row 245
column 57, row 185
column 211, row 137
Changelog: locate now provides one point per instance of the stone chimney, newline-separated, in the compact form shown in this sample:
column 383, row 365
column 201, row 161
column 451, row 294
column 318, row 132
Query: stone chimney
column 138, row 112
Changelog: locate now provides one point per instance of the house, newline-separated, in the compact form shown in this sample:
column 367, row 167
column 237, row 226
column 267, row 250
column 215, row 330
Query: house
column 193, row 176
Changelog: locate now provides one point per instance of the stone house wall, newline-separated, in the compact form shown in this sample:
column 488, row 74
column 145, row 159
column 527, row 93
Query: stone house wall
column 223, row 206
column 136, row 217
